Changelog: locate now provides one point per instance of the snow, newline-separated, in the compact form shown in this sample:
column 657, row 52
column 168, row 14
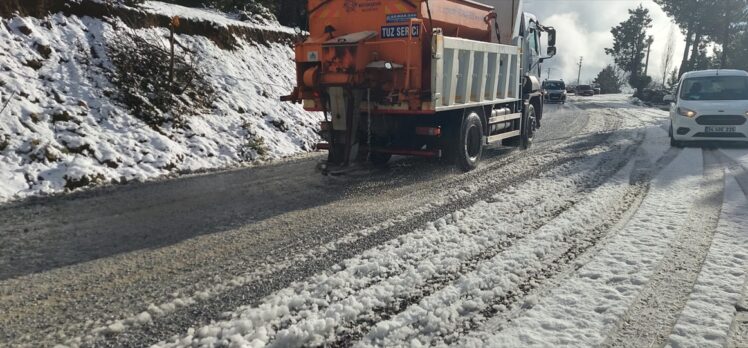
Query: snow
column 588, row 305
column 62, row 130
column 209, row 15
column 706, row 319
column 310, row 312
column 431, row 286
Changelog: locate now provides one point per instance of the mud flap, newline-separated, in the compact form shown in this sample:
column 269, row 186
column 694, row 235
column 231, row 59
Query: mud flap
column 345, row 111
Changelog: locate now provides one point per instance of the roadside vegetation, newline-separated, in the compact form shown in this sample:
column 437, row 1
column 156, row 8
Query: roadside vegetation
column 716, row 37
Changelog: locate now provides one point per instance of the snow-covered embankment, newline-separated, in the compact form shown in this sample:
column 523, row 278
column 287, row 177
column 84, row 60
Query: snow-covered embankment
column 67, row 123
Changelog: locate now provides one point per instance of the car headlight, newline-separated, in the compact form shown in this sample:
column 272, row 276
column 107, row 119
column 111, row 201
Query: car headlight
column 686, row 112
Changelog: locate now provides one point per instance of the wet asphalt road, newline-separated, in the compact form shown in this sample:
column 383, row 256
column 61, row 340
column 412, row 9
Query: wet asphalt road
column 71, row 264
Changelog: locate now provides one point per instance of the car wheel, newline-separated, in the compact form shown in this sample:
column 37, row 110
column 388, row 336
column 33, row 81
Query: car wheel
column 676, row 143
column 673, row 142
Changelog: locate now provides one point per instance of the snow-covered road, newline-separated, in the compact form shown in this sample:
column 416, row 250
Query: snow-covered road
column 600, row 235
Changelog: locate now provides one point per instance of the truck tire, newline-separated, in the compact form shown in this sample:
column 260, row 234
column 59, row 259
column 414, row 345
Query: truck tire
column 470, row 144
column 379, row 158
column 528, row 128
column 336, row 154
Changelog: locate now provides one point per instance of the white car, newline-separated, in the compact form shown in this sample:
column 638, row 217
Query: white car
column 709, row 105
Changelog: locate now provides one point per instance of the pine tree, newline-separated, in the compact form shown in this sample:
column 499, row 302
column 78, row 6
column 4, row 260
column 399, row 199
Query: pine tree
column 629, row 44
column 672, row 81
column 608, row 80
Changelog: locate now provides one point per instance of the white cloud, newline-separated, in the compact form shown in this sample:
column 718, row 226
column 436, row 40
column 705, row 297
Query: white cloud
column 584, row 30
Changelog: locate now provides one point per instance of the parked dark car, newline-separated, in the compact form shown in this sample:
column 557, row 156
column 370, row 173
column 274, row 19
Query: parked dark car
column 555, row 91
column 585, row 90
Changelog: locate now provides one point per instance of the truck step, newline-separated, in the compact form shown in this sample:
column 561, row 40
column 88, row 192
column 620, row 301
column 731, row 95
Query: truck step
column 502, row 136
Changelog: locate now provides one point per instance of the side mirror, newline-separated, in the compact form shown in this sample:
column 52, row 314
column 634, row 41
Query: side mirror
column 551, row 51
column 551, row 37
column 669, row 98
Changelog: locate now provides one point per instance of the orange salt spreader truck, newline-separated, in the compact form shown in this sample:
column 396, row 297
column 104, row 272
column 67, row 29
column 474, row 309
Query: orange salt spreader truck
column 433, row 78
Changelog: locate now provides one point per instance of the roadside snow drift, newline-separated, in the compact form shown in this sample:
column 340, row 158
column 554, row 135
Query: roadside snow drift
column 66, row 125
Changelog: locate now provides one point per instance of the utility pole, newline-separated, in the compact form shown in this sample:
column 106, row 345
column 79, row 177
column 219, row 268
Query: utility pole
column 579, row 76
column 650, row 40
column 549, row 74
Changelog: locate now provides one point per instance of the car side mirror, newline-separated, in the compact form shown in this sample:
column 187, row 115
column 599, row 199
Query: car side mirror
column 551, row 51
column 669, row 98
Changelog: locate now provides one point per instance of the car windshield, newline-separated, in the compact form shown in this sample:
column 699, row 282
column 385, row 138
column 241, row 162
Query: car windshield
column 715, row 88
column 585, row 87
column 554, row 85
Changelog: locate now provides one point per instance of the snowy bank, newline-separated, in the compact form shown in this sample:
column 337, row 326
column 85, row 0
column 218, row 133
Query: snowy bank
column 66, row 124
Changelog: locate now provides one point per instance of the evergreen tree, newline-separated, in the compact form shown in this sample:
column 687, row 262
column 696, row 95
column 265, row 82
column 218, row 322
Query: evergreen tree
column 738, row 51
column 608, row 80
column 629, row 44
column 672, row 81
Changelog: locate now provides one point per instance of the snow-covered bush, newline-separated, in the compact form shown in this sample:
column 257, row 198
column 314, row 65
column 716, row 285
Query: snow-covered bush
column 256, row 13
column 154, row 90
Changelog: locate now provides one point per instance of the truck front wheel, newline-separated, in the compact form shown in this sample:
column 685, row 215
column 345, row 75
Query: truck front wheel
column 528, row 128
column 470, row 145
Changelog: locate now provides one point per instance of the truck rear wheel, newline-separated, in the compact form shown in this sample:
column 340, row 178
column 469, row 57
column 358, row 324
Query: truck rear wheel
column 379, row 158
column 336, row 154
column 470, row 144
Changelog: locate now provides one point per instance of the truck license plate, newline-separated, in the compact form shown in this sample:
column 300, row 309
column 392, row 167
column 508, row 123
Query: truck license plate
column 400, row 31
column 720, row 129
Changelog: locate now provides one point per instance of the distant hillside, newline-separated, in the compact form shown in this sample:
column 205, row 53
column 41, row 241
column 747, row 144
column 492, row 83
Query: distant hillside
column 91, row 97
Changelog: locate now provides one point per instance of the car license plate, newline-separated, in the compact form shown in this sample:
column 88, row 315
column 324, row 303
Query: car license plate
column 719, row 129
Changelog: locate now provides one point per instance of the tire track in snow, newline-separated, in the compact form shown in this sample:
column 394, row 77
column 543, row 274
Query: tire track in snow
column 607, row 169
column 575, row 243
column 585, row 306
column 199, row 309
column 350, row 332
column 662, row 124
column 738, row 337
column 611, row 155
column 741, row 172
column 739, row 329
column 650, row 319
column 574, row 123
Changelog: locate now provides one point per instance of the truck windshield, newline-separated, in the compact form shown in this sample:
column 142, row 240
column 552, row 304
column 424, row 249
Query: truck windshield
column 554, row 85
column 715, row 88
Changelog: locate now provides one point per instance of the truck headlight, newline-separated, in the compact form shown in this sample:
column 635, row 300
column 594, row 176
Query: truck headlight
column 686, row 112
